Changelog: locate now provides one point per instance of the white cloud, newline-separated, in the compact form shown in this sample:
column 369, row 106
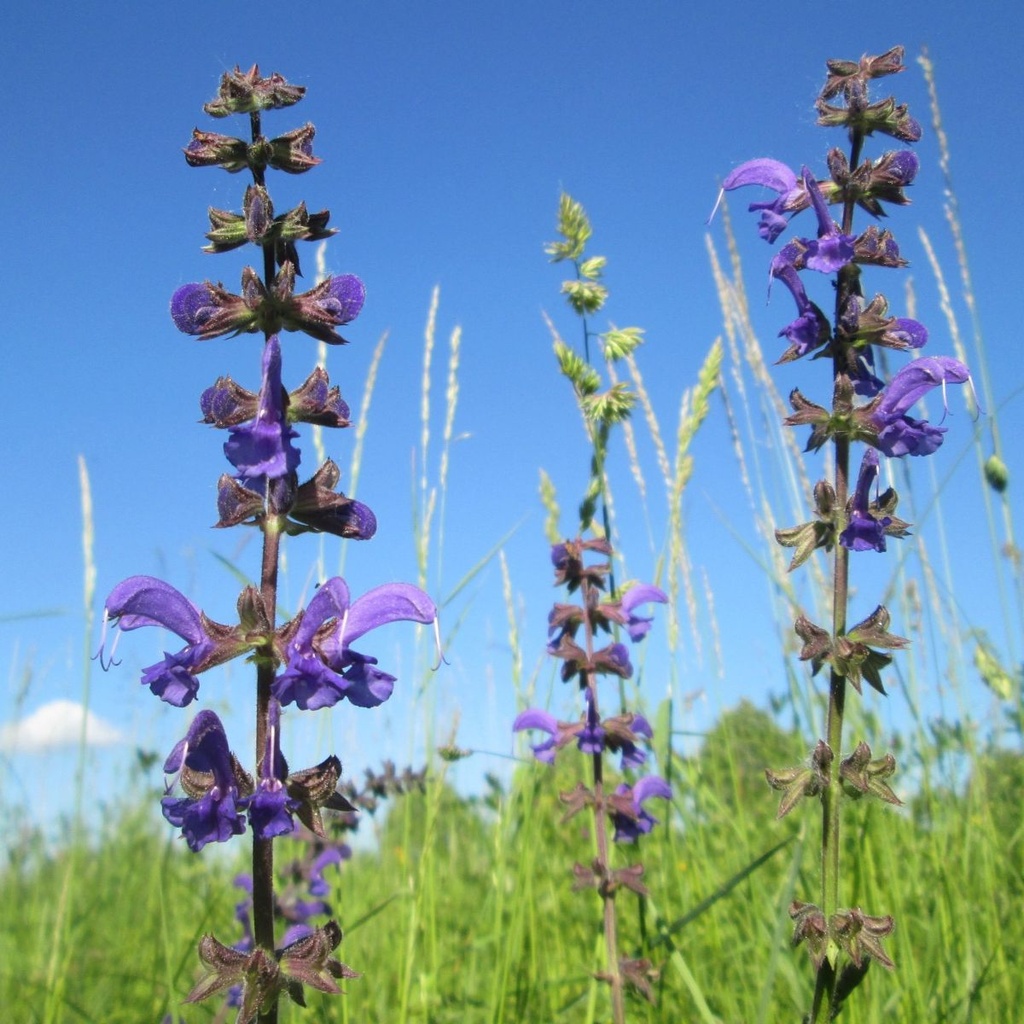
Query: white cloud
column 54, row 725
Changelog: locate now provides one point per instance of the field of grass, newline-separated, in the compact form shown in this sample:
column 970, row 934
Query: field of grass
column 464, row 912
column 461, row 909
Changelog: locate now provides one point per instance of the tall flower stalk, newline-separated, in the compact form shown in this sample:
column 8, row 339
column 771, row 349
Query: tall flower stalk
column 851, row 514
column 310, row 660
column 584, row 567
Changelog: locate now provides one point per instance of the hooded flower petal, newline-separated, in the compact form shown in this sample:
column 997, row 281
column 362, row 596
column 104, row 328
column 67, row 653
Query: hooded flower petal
column 368, row 686
column 900, row 434
column 535, row 718
column 306, row 680
column 145, row 601
column 629, row 827
column 771, row 174
column 319, row 675
column 643, row 593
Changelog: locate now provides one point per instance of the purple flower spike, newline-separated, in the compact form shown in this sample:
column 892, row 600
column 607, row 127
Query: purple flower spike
column 261, row 450
column 900, row 434
column 771, row 174
column 145, row 601
column 629, row 827
column 865, row 532
column 192, row 305
column 270, row 810
column 203, row 760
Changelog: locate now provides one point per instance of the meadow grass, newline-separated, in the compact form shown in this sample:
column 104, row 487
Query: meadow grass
column 461, row 910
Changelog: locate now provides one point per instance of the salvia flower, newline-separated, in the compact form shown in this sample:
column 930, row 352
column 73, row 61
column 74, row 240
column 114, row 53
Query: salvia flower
column 334, row 302
column 145, row 601
column 217, row 787
column 293, row 151
column 560, row 733
column 271, row 806
column 629, row 816
column 322, row 669
column 865, row 532
column 780, row 179
column 207, row 310
column 636, row 625
column 811, row 329
column 209, row 149
column 827, row 253
column 262, row 450
column 899, row 434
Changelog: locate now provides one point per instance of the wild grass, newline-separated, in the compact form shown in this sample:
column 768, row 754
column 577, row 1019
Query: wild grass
column 461, row 910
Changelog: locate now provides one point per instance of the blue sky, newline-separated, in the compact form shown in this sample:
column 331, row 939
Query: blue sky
column 447, row 133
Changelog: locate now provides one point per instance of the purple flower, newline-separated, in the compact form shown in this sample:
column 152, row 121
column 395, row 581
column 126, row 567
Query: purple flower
column 811, row 329
column 535, row 718
column 631, row 820
column 771, row 174
column 206, row 310
column 335, row 301
column 192, row 305
column 908, row 333
column 211, row 813
column 318, row 885
column 145, row 601
column 623, row 731
column 643, row 593
column 614, row 660
column 323, row 669
column 898, row 433
column 865, row 532
column 344, row 300
column 832, row 249
column 270, row 809
column 261, row 450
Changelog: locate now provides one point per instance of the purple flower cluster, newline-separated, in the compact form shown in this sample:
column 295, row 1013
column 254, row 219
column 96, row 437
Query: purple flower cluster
column 621, row 734
column 308, row 661
column 884, row 422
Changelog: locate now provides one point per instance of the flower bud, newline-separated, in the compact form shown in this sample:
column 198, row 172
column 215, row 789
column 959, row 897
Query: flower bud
column 244, row 92
column 208, row 149
column 293, row 151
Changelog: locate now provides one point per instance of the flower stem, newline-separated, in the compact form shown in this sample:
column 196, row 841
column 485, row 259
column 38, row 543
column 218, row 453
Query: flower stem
column 263, row 849
column 824, row 990
column 611, row 939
